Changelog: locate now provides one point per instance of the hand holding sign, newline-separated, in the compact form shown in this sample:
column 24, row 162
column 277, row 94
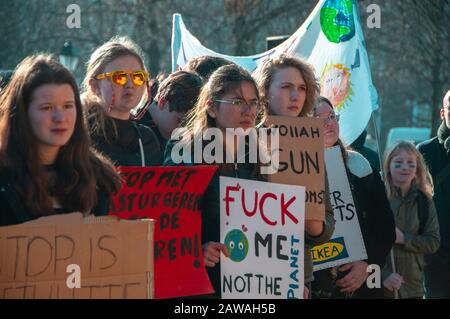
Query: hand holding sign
column 355, row 278
column 393, row 282
column 211, row 253
column 314, row 227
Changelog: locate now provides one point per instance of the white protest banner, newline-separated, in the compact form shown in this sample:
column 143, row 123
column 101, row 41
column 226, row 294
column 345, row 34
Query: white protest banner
column 331, row 39
column 262, row 225
column 347, row 244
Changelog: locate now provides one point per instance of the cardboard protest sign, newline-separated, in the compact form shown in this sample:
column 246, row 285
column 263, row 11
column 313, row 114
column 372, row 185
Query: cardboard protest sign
column 301, row 159
column 262, row 225
column 347, row 244
column 111, row 258
column 171, row 196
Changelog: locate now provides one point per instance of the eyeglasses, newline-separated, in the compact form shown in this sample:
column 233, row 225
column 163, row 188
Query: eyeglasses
column 121, row 77
column 330, row 117
column 240, row 103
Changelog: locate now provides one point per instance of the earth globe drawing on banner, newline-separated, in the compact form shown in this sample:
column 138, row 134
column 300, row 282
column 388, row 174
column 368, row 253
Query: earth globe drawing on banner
column 337, row 21
column 237, row 245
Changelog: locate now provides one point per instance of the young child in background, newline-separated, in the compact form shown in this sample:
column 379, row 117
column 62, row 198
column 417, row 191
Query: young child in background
column 410, row 189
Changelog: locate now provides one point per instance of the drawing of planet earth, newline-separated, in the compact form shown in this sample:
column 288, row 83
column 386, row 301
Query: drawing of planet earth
column 237, row 245
column 337, row 21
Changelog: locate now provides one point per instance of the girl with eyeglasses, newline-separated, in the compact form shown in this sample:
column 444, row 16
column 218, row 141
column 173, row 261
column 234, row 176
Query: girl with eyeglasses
column 374, row 216
column 410, row 189
column 229, row 99
column 46, row 164
column 289, row 88
column 116, row 82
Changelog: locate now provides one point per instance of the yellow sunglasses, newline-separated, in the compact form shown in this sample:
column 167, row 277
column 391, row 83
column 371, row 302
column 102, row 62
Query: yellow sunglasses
column 121, row 77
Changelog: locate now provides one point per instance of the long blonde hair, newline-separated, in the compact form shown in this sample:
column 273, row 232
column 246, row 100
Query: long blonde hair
column 422, row 180
column 264, row 74
column 117, row 47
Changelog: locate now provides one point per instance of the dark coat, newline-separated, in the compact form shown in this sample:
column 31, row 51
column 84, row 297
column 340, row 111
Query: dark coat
column 375, row 219
column 408, row 258
column 125, row 151
column 437, row 157
column 13, row 210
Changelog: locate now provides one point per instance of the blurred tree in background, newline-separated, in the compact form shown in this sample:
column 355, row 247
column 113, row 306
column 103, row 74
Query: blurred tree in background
column 409, row 54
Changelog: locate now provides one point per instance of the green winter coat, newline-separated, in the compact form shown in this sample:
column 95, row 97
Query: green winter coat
column 408, row 257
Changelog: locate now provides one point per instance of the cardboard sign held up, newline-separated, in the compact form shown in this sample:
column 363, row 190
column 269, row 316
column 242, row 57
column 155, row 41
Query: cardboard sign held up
column 171, row 196
column 262, row 225
column 347, row 244
column 301, row 159
column 108, row 258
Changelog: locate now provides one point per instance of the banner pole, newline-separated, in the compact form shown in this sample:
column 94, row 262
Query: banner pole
column 391, row 253
column 393, row 270
column 377, row 137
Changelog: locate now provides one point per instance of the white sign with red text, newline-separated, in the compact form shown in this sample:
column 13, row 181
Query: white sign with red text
column 262, row 225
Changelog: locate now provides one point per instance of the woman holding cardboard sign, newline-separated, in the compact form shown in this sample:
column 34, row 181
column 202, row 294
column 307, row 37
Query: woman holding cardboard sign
column 289, row 87
column 46, row 164
column 374, row 216
column 229, row 99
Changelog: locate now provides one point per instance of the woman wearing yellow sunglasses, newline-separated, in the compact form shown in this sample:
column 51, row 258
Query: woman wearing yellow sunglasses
column 116, row 82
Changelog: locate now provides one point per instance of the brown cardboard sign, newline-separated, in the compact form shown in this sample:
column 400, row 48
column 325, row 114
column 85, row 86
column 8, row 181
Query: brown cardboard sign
column 115, row 258
column 302, row 159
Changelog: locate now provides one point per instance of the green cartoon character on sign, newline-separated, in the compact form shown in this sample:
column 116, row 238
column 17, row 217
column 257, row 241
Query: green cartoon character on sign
column 237, row 245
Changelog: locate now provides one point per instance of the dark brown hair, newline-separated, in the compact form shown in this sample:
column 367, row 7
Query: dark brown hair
column 79, row 169
column 205, row 65
column 181, row 90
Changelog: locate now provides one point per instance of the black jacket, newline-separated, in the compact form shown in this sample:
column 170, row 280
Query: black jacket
column 13, row 210
column 436, row 153
column 375, row 219
column 125, row 151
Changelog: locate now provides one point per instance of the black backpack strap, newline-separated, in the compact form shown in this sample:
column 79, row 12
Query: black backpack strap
column 423, row 211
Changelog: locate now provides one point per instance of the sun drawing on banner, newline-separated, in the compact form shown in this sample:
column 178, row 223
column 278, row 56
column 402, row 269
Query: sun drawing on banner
column 237, row 245
column 337, row 21
column 335, row 85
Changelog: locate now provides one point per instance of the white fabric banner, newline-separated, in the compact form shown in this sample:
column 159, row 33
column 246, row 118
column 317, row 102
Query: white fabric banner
column 331, row 39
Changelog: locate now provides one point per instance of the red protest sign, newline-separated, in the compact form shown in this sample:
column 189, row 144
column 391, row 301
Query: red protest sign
column 171, row 196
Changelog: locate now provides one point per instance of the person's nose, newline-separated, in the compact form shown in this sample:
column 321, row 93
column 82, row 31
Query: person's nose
column 129, row 83
column 248, row 109
column 58, row 114
column 294, row 94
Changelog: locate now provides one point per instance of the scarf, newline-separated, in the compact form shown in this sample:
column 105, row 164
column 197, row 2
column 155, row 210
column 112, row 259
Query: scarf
column 443, row 135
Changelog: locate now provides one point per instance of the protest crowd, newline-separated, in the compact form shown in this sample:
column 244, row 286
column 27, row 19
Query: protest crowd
column 65, row 149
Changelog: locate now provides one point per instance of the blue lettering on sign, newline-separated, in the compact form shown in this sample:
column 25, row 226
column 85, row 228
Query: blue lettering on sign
column 294, row 273
column 333, row 250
